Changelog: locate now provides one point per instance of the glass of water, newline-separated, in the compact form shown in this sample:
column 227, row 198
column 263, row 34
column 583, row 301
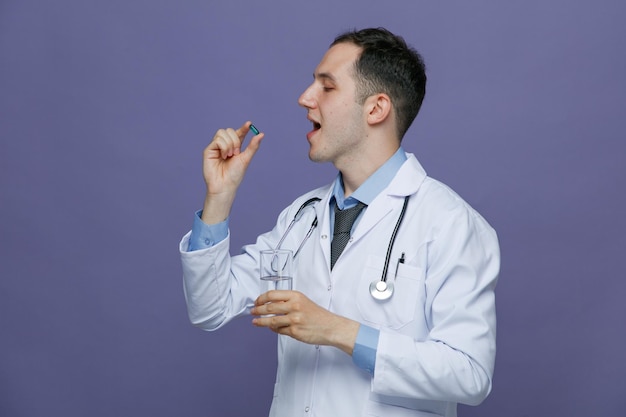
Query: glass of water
column 276, row 270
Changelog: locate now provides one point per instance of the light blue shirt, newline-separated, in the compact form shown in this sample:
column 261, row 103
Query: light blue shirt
column 364, row 354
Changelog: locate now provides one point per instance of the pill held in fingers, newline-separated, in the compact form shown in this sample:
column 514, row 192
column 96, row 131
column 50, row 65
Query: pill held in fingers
column 254, row 129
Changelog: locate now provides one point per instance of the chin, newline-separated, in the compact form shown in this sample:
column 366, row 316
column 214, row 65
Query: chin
column 316, row 157
column 313, row 157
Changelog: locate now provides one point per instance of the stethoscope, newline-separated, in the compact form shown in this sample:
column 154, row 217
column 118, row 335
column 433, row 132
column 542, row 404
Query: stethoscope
column 379, row 289
column 297, row 217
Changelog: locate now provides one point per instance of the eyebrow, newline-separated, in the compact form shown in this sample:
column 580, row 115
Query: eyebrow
column 325, row 76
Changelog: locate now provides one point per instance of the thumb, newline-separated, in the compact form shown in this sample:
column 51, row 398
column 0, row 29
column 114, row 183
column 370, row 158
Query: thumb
column 254, row 145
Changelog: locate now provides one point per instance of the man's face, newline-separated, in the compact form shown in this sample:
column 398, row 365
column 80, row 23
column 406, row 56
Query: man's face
column 338, row 120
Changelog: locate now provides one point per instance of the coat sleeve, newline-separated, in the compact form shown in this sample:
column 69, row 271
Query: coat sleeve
column 213, row 294
column 455, row 362
column 219, row 287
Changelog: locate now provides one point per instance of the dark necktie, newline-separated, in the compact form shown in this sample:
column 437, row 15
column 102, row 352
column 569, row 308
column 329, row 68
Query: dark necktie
column 341, row 234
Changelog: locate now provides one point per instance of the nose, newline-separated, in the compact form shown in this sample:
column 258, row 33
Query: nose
column 306, row 98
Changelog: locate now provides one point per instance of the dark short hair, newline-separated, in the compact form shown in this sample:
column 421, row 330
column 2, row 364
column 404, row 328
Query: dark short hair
column 388, row 65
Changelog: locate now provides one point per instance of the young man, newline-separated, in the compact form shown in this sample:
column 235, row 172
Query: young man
column 402, row 322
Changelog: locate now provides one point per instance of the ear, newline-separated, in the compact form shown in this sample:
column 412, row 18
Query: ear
column 378, row 108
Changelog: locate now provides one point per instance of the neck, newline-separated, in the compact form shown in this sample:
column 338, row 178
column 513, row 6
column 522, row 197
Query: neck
column 360, row 168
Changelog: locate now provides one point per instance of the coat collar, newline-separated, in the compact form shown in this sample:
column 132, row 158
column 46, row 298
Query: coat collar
column 407, row 181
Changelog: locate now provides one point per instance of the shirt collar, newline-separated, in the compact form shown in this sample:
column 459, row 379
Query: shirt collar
column 373, row 186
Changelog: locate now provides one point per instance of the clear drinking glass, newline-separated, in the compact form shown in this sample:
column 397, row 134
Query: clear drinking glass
column 276, row 270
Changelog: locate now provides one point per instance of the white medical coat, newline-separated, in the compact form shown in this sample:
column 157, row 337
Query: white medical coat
column 437, row 332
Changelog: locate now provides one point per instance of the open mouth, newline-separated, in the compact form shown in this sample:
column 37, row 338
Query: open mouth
column 316, row 126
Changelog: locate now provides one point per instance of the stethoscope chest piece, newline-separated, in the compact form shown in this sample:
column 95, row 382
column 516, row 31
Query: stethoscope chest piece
column 381, row 290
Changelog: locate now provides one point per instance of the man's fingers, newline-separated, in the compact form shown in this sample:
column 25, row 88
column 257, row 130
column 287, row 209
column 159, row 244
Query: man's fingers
column 272, row 302
column 227, row 142
column 273, row 296
column 243, row 130
column 276, row 323
column 254, row 145
column 255, row 142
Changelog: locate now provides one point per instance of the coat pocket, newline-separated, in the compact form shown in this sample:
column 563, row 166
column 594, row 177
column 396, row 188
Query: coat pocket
column 383, row 406
column 407, row 298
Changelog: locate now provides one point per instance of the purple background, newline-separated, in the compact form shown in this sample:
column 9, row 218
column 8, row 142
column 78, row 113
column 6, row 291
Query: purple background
column 105, row 108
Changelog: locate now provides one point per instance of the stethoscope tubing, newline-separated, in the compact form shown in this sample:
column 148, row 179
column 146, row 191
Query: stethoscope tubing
column 296, row 217
column 393, row 239
column 386, row 289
